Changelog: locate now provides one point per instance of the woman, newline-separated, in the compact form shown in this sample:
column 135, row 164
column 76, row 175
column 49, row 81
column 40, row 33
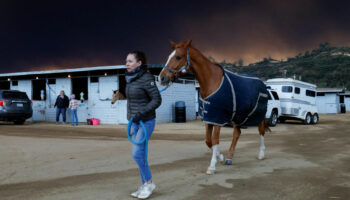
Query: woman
column 62, row 103
column 143, row 99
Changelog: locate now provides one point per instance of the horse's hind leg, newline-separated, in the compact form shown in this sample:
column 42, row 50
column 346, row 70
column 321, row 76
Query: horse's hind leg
column 215, row 148
column 261, row 129
column 236, row 134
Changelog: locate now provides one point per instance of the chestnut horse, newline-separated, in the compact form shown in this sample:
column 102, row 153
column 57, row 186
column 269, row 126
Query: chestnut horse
column 210, row 76
column 117, row 96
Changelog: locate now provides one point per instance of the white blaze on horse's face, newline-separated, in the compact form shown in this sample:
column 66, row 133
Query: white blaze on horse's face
column 170, row 57
column 166, row 64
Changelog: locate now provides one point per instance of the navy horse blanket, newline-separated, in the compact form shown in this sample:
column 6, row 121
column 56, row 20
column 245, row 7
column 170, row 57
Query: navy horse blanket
column 240, row 99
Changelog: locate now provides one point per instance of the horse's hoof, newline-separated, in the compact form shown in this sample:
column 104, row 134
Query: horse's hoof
column 228, row 162
column 210, row 171
column 261, row 157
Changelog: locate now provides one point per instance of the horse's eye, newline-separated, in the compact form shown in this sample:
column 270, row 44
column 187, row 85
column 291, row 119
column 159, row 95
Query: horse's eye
column 178, row 58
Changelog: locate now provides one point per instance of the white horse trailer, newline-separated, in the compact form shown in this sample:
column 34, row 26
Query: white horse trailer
column 298, row 99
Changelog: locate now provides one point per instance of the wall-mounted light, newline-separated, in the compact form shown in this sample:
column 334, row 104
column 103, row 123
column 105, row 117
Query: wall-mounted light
column 68, row 75
column 105, row 73
column 37, row 78
column 9, row 79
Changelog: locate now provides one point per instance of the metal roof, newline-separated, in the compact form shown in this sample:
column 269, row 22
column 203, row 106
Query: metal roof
column 82, row 69
column 330, row 90
column 280, row 80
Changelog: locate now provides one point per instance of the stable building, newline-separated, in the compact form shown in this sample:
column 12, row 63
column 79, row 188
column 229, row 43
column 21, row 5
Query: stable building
column 328, row 100
column 94, row 87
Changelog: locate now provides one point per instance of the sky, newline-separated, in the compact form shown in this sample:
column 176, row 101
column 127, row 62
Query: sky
column 45, row 35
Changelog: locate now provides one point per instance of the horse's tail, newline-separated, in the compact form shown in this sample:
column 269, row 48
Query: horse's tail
column 266, row 126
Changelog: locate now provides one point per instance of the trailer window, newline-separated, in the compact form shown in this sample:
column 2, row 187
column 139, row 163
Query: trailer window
column 320, row 94
column 287, row 89
column 310, row 93
column 275, row 95
column 269, row 96
column 297, row 90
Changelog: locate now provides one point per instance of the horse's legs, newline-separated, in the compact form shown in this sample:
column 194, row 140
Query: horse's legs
column 208, row 133
column 216, row 152
column 261, row 129
column 236, row 134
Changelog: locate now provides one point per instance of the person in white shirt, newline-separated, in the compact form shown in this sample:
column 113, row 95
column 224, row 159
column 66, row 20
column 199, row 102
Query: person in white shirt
column 73, row 105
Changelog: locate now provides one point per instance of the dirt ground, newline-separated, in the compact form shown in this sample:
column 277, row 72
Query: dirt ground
column 48, row 161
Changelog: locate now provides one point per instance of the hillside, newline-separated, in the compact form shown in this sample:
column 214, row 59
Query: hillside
column 325, row 66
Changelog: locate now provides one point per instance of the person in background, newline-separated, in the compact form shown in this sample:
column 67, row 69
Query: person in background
column 61, row 103
column 73, row 105
column 143, row 100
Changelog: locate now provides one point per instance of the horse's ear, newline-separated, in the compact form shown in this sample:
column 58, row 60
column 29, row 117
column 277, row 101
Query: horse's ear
column 173, row 44
column 188, row 43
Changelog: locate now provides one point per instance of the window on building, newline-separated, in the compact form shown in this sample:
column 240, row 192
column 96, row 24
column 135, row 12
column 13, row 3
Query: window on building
column 80, row 88
column 310, row 93
column 94, row 79
column 297, row 90
column 4, row 85
column 14, row 83
column 287, row 89
column 275, row 95
column 39, row 89
column 320, row 94
column 51, row 81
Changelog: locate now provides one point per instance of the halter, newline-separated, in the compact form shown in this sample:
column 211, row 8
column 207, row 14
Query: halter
column 182, row 69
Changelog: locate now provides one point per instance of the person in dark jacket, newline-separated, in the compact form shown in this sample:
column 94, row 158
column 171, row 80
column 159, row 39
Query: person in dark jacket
column 143, row 99
column 62, row 103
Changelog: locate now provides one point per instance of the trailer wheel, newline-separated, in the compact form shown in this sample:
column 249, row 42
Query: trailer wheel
column 315, row 119
column 273, row 118
column 307, row 119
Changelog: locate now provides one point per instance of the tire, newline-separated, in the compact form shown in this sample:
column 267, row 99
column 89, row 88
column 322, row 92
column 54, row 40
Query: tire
column 307, row 119
column 20, row 122
column 315, row 119
column 273, row 118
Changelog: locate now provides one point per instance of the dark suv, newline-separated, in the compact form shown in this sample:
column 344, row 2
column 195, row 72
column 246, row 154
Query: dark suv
column 15, row 106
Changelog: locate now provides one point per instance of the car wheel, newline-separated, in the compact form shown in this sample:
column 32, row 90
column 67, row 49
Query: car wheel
column 273, row 118
column 315, row 119
column 20, row 122
column 307, row 119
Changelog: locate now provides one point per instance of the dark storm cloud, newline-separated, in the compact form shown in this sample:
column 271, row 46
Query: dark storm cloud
column 47, row 35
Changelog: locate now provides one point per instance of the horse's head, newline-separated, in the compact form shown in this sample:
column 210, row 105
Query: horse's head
column 178, row 62
column 115, row 96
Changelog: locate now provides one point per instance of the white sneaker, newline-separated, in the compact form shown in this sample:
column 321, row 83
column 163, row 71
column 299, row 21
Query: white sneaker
column 146, row 191
column 136, row 194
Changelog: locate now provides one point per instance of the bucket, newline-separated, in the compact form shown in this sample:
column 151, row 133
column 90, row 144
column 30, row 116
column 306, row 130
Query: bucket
column 95, row 121
column 180, row 111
